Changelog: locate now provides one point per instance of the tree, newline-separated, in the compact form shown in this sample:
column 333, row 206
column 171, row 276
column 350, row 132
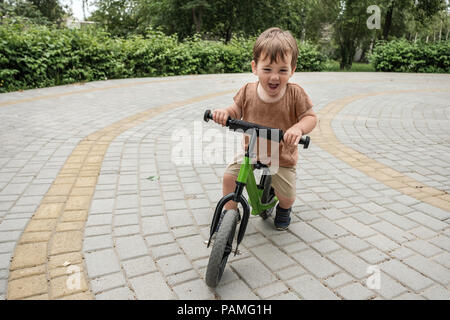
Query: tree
column 51, row 9
column 118, row 17
column 35, row 11
column 350, row 28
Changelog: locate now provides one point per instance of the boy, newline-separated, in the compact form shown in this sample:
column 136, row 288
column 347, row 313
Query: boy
column 273, row 102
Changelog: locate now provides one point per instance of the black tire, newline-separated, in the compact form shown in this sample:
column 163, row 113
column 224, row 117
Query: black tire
column 267, row 196
column 221, row 249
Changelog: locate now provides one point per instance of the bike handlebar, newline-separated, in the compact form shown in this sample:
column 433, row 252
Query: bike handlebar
column 235, row 124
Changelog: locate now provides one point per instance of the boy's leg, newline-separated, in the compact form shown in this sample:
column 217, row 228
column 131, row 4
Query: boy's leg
column 284, row 184
column 284, row 202
column 229, row 185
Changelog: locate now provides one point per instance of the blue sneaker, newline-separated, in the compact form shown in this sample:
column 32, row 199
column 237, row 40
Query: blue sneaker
column 282, row 218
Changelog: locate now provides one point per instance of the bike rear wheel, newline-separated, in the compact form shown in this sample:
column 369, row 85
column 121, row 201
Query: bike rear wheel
column 221, row 249
column 267, row 196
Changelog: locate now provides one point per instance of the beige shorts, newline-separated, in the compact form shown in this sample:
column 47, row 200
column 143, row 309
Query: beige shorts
column 283, row 181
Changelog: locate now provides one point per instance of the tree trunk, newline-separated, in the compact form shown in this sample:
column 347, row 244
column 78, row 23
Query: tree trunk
column 197, row 19
column 83, row 4
column 228, row 34
column 388, row 22
column 347, row 52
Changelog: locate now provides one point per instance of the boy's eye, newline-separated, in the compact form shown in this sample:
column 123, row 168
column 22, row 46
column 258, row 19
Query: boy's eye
column 266, row 69
column 283, row 70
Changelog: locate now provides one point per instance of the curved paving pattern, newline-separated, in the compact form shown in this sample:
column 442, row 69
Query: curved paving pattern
column 138, row 231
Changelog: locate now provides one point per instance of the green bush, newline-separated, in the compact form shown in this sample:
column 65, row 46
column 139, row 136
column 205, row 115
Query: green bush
column 310, row 58
column 404, row 56
column 34, row 56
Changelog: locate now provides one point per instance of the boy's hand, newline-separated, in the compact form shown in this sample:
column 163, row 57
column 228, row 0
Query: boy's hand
column 292, row 136
column 220, row 116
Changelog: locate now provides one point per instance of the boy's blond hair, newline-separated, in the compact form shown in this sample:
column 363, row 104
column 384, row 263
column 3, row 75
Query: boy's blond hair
column 275, row 43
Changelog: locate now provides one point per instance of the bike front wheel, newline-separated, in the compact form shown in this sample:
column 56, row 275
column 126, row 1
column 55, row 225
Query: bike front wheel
column 221, row 249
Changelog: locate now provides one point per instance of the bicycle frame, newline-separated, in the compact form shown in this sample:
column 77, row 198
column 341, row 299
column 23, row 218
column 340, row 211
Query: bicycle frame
column 246, row 178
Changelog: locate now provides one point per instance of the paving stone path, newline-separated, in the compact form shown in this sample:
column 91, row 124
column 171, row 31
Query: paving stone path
column 107, row 190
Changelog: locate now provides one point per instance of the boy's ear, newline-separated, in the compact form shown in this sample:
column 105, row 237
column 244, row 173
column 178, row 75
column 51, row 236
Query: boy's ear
column 254, row 67
column 293, row 70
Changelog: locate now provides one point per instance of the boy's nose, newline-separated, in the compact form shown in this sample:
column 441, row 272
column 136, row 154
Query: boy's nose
column 274, row 77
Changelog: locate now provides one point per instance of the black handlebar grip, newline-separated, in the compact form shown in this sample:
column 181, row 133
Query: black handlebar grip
column 305, row 141
column 207, row 115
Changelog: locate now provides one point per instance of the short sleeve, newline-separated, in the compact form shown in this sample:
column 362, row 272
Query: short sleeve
column 239, row 98
column 303, row 102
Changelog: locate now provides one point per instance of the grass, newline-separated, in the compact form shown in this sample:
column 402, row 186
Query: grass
column 333, row 65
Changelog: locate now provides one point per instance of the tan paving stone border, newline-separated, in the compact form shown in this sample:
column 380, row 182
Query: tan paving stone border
column 54, row 236
column 324, row 137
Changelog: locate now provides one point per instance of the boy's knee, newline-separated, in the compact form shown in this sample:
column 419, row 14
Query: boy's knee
column 229, row 178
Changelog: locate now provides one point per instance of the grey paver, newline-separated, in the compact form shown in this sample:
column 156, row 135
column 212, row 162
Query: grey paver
column 174, row 264
column 194, row 247
column 196, row 289
column 338, row 280
column 356, row 227
column 353, row 243
column 138, row 266
column 427, row 221
column 316, row 264
column 123, row 293
column 310, row 288
column 236, row 290
column 131, row 247
column 272, row 257
column 305, row 232
column 355, row 291
column 145, row 238
column 405, row 275
column 437, row 293
column 101, row 262
column 423, row 247
column 429, row 268
column 107, row 282
column 254, row 272
column 350, row 262
column 151, row 287
column 392, row 231
column 328, row 228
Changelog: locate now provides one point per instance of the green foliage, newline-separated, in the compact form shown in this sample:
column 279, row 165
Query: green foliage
column 33, row 56
column 310, row 58
column 405, row 56
column 44, row 12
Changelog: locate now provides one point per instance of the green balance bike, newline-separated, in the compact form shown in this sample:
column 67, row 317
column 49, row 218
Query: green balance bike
column 262, row 199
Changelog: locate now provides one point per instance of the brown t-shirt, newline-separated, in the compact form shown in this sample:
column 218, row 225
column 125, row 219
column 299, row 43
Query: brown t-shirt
column 281, row 114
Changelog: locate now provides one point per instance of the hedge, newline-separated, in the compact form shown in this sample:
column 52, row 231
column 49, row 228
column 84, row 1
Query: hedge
column 405, row 56
column 33, row 56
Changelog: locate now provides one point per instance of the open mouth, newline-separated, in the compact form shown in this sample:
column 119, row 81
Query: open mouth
column 273, row 86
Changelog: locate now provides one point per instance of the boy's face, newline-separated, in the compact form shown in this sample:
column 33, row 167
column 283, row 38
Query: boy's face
column 274, row 76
